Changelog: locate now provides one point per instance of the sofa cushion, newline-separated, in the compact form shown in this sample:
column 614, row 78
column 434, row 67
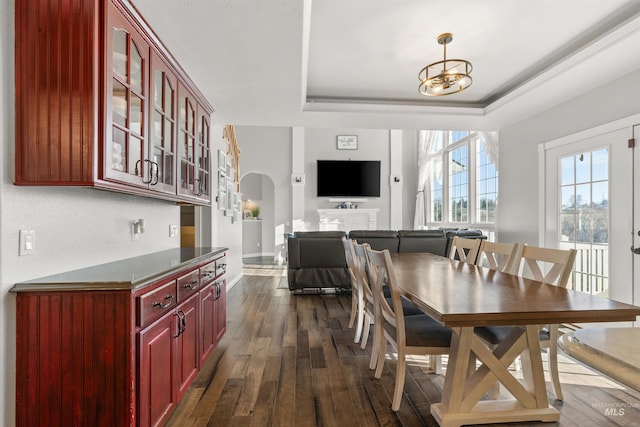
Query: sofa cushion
column 431, row 241
column 377, row 239
column 319, row 234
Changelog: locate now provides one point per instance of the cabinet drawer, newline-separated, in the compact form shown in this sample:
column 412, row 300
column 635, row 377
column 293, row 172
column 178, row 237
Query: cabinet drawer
column 154, row 304
column 207, row 273
column 221, row 265
column 188, row 285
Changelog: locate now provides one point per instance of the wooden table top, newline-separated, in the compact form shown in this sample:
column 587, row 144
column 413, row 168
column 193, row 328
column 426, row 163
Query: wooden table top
column 459, row 294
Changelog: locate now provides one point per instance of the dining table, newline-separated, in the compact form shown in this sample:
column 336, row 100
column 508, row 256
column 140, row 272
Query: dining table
column 463, row 297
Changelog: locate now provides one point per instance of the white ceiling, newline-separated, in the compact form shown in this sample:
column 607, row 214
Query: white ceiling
column 354, row 63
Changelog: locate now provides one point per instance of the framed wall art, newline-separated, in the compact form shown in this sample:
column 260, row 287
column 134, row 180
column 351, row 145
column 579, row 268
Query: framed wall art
column 347, row 142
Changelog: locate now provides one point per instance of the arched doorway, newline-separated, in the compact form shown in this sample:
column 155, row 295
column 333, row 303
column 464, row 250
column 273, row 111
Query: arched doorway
column 258, row 229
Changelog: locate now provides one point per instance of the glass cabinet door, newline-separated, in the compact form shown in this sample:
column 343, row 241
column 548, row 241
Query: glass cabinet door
column 163, row 126
column 187, row 184
column 204, row 162
column 126, row 95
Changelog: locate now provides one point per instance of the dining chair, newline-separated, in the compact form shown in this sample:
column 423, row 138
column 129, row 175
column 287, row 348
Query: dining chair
column 359, row 250
column 408, row 335
column 465, row 249
column 357, row 293
column 498, row 256
column 547, row 265
column 409, row 309
column 501, row 257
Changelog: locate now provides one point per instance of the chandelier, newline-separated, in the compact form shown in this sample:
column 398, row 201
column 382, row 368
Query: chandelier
column 447, row 76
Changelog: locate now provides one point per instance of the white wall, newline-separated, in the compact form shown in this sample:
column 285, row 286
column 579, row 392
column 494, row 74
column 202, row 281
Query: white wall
column 517, row 219
column 320, row 144
column 267, row 150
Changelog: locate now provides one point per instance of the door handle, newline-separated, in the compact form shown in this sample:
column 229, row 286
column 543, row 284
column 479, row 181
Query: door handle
column 635, row 250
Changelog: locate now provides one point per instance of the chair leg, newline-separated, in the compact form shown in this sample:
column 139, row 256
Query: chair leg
column 365, row 331
column 401, row 369
column 354, row 308
column 382, row 351
column 552, row 351
column 375, row 347
column 359, row 326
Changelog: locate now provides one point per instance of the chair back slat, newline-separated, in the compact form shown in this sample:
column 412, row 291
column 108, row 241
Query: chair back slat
column 361, row 262
column 380, row 275
column 498, row 256
column 558, row 264
column 465, row 249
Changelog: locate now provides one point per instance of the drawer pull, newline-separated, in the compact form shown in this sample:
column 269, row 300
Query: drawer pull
column 160, row 305
column 191, row 285
column 209, row 273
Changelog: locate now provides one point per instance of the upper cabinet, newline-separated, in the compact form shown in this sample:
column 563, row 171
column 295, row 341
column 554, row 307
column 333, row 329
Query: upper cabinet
column 100, row 102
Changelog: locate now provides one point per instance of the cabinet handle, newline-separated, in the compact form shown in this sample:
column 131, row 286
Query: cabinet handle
column 183, row 320
column 150, row 171
column 157, row 175
column 179, row 323
column 191, row 285
column 209, row 273
column 160, row 305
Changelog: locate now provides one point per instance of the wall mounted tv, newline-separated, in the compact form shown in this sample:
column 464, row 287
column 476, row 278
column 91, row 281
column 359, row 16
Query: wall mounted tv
column 348, row 178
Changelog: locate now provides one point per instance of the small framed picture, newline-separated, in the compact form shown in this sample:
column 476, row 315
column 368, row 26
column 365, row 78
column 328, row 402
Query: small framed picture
column 347, row 142
column 222, row 161
column 229, row 169
column 222, row 200
column 247, row 214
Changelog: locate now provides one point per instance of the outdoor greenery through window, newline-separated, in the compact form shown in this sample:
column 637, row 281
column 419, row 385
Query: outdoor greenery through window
column 462, row 186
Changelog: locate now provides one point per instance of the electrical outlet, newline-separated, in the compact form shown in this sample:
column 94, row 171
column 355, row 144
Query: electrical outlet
column 173, row 230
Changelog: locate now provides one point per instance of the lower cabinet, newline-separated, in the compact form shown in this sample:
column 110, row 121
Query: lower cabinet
column 116, row 357
column 157, row 361
column 168, row 354
column 221, row 309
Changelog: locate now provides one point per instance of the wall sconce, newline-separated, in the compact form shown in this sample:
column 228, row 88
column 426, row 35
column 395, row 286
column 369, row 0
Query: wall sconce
column 297, row 179
column 137, row 228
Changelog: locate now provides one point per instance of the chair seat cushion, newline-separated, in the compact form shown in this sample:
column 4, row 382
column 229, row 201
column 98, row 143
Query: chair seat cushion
column 423, row 331
column 408, row 308
column 496, row 334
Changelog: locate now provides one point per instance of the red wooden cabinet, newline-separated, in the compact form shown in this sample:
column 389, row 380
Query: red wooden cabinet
column 97, row 103
column 121, row 357
column 157, row 360
column 220, row 309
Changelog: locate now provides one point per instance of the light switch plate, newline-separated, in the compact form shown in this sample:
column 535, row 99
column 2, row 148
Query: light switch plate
column 27, row 242
column 173, row 230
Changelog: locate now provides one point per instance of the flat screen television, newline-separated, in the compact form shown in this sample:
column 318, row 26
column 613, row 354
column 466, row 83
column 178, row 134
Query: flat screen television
column 348, row 178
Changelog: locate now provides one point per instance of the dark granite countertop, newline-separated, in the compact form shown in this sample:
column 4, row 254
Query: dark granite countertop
column 125, row 274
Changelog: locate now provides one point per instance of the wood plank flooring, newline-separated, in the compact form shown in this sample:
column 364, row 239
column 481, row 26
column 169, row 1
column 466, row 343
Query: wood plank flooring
column 290, row 360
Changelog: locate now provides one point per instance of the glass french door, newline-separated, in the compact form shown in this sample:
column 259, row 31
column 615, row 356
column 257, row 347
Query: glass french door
column 588, row 204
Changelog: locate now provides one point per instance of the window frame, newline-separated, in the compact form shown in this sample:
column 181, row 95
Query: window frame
column 471, row 140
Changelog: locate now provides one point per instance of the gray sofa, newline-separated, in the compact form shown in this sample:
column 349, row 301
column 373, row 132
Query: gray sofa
column 316, row 258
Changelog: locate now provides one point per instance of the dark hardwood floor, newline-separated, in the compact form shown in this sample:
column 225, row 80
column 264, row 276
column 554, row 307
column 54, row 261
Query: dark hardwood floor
column 290, row 360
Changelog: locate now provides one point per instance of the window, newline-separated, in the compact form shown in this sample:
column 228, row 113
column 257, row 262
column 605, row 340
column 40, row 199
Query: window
column 584, row 218
column 462, row 184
